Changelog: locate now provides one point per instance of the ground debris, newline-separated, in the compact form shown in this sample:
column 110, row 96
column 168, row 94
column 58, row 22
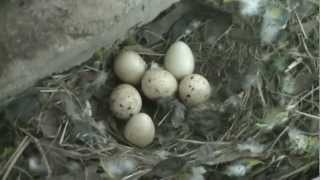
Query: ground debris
column 261, row 121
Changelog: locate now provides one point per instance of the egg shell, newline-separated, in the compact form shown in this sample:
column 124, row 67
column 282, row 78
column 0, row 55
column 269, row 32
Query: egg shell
column 194, row 89
column 179, row 60
column 158, row 83
column 125, row 101
column 140, row 130
column 129, row 67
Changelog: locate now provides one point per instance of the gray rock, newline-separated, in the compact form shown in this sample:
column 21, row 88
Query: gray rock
column 39, row 37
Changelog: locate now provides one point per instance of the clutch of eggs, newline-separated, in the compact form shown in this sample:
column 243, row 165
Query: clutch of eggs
column 156, row 82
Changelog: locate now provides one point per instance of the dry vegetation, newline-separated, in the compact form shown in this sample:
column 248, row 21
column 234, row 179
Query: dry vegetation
column 260, row 123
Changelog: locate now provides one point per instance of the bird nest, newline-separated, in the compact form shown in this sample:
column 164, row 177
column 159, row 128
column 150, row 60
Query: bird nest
column 260, row 122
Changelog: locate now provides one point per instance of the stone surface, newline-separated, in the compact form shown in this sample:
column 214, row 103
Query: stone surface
column 40, row 37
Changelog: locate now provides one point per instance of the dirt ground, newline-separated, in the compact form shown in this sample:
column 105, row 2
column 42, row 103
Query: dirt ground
column 261, row 121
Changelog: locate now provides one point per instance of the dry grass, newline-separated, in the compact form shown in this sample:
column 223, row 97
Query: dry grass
column 263, row 114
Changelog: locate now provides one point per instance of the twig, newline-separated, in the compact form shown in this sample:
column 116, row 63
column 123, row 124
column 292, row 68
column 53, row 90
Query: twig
column 301, row 26
column 304, row 97
column 156, row 113
column 13, row 159
column 226, row 134
column 306, row 48
column 298, row 170
column 164, row 118
column 45, row 159
column 63, row 133
column 243, row 130
column 23, row 171
column 155, row 34
column 308, row 115
column 220, row 37
column 204, row 142
column 92, row 68
column 152, row 54
column 293, row 64
column 319, row 106
column 259, row 84
column 259, row 171
column 187, row 153
column 50, row 90
column 137, row 173
column 278, row 138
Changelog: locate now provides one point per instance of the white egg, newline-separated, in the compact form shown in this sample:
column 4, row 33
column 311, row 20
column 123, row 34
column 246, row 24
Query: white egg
column 140, row 130
column 129, row 67
column 157, row 83
column 194, row 89
column 179, row 60
column 125, row 101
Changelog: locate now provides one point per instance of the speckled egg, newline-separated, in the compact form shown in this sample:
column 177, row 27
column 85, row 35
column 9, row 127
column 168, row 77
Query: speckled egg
column 194, row 89
column 125, row 101
column 158, row 83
